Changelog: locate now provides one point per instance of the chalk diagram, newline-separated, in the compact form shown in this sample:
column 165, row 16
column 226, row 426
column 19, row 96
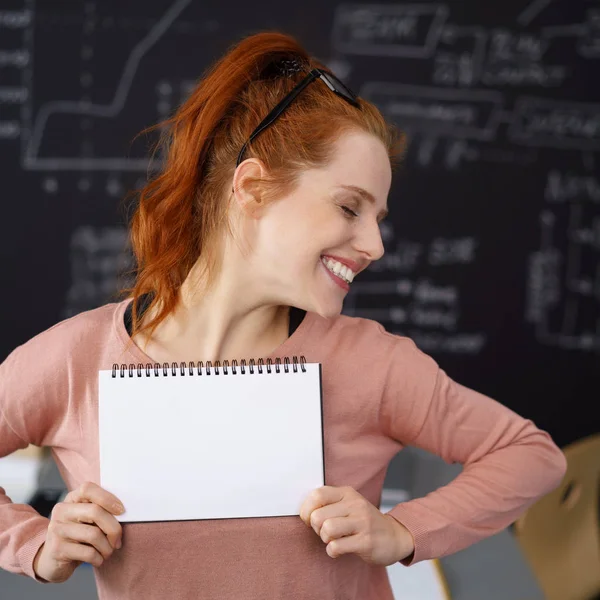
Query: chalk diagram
column 465, row 114
column 99, row 256
column 35, row 121
column 458, row 119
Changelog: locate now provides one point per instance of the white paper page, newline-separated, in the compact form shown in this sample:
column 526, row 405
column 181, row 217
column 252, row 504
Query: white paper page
column 211, row 446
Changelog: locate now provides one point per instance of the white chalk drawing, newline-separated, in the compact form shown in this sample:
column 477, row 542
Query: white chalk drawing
column 427, row 310
column 100, row 258
column 472, row 94
column 587, row 34
column 10, row 130
column 452, row 153
column 477, row 115
column 563, row 287
column 589, row 43
column 533, row 9
column 34, row 132
column 556, row 124
column 465, row 114
column 459, row 58
column 399, row 30
column 516, row 59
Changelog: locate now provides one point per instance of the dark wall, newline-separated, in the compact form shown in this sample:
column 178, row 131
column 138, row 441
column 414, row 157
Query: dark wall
column 492, row 249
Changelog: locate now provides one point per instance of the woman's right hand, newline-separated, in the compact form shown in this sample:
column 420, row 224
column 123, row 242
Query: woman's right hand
column 82, row 529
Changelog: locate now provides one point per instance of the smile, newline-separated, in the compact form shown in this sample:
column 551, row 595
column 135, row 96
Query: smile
column 336, row 278
column 337, row 268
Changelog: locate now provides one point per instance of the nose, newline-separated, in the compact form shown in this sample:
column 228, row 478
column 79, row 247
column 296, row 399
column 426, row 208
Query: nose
column 369, row 241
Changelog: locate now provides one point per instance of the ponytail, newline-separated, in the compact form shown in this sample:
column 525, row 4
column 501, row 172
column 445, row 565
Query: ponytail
column 180, row 212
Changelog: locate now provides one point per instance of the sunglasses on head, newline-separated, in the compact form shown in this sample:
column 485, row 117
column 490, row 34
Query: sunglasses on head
column 330, row 80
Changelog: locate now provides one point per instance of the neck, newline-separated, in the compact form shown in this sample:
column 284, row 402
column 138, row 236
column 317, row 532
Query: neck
column 210, row 328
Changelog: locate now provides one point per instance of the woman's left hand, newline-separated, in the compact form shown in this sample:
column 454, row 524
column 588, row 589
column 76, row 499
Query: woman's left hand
column 349, row 524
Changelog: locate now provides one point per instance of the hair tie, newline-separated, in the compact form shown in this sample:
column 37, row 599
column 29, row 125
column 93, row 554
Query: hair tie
column 284, row 67
column 289, row 66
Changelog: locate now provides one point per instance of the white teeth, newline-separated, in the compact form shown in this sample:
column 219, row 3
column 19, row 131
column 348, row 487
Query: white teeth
column 339, row 269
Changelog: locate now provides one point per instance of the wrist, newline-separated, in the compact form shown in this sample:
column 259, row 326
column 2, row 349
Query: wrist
column 36, row 561
column 405, row 542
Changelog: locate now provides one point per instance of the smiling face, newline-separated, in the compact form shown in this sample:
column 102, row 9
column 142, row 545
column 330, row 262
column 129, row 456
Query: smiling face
column 334, row 211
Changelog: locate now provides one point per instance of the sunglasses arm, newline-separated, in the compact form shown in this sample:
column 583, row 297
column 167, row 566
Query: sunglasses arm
column 278, row 109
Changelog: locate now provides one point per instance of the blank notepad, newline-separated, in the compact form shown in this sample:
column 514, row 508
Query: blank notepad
column 210, row 445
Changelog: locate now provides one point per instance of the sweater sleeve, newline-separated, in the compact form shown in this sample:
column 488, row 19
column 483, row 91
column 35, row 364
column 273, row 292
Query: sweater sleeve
column 508, row 463
column 32, row 391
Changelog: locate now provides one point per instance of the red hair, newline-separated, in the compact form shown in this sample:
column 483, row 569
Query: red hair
column 180, row 213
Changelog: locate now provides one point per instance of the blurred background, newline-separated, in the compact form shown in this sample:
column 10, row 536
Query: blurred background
column 492, row 261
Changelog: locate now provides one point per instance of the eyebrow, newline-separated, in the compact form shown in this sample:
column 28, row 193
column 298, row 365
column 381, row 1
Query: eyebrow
column 366, row 195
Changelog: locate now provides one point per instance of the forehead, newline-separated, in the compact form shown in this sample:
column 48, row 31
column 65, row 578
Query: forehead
column 360, row 159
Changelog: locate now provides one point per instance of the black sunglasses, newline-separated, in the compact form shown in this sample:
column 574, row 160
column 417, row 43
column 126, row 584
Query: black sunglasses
column 330, row 80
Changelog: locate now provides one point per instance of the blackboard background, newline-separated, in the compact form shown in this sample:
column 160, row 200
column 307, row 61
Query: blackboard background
column 79, row 80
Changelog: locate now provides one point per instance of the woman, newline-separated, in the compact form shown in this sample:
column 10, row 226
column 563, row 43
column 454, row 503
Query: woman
column 247, row 243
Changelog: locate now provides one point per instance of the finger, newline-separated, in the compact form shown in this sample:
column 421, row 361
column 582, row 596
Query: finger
column 91, row 492
column 319, row 497
column 91, row 514
column 85, row 534
column 350, row 544
column 320, row 515
column 71, row 551
column 338, row 527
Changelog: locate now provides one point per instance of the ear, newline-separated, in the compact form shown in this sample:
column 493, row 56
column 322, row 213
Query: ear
column 246, row 186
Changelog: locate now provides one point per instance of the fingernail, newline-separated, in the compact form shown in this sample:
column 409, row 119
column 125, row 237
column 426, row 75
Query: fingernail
column 119, row 507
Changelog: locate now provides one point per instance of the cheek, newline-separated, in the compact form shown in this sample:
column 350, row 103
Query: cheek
column 283, row 250
column 296, row 237
column 292, row 257
column 293, row 236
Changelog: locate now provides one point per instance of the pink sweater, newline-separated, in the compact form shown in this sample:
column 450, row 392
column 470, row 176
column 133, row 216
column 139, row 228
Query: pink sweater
column 380, row 393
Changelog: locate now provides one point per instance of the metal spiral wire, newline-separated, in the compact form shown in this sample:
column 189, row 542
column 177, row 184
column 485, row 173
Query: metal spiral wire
column 192, row 369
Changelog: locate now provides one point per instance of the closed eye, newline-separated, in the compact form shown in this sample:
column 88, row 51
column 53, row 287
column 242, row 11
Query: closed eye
column 349, row 212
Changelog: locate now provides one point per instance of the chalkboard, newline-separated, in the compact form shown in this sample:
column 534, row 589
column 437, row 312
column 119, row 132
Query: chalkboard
column 492, row 246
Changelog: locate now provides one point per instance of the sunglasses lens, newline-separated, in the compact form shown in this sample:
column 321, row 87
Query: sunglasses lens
column 339, row 87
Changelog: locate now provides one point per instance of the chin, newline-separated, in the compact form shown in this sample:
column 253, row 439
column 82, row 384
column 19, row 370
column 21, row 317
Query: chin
column 324, row 298
column 327, row 310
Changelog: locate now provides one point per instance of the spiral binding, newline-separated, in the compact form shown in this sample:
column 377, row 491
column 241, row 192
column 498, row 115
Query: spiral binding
column 183, row 367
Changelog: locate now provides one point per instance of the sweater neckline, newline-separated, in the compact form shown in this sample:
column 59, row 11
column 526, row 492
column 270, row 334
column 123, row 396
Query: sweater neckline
column 289, row 347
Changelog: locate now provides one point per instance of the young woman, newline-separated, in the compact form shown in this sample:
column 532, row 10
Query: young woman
column 247, row 243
